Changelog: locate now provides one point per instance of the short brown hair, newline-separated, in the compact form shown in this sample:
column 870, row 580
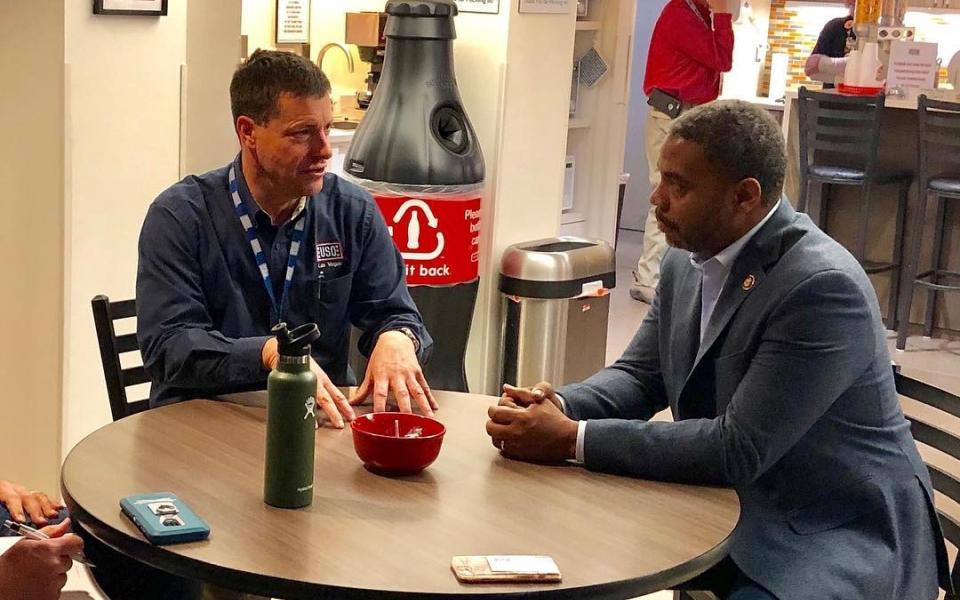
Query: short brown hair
column 258, row 83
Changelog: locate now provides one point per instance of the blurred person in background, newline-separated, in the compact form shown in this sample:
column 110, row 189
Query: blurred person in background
column 692, row 45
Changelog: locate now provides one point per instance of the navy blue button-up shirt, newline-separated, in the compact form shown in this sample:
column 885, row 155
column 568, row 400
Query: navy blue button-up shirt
column 203, row 313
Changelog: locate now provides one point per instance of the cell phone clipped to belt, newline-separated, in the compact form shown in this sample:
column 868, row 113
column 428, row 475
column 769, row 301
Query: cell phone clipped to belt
column 505, row 569
column 163, row 518
column 665, row 103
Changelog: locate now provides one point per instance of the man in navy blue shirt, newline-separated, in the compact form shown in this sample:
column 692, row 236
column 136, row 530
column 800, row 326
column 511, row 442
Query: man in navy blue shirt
column 273, row 237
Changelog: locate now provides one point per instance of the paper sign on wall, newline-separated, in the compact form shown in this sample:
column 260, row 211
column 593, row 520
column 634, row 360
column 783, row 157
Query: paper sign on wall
column 293, row 21
column 912, row 65
column 562, row 7
column 479, row 6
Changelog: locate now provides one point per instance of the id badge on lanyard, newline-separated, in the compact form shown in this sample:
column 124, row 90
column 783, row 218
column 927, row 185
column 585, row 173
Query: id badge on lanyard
column 261, row 258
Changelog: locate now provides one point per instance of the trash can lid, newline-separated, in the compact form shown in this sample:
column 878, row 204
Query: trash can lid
column 556, row 267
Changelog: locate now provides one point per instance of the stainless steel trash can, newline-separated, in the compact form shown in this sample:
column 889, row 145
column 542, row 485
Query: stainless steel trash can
column 556, row 306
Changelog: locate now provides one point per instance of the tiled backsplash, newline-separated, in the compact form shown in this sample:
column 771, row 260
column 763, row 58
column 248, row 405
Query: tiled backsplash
column 794, row 28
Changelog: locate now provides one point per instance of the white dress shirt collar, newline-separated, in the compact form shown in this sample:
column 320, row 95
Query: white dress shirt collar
column 717, row 268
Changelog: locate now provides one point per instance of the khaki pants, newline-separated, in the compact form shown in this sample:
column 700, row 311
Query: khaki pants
column 654, row 242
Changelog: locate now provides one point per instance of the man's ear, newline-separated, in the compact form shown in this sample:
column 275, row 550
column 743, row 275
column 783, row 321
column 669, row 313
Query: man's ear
column 245, row 127
column 748, row 195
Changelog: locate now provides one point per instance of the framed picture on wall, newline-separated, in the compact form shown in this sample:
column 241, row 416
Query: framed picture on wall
column 293, row 21
column 154, row 8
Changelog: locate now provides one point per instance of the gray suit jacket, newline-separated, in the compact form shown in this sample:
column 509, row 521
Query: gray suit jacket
column 789, row 399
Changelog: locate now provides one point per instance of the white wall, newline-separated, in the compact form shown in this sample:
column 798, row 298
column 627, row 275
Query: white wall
column 31, row 169
column 636, row 200
column 527, row 155
column 212, row 55
column 480, row 54
column 749, row 51
column 122, row 139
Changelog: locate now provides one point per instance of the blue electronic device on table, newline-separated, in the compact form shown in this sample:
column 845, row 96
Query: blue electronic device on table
column 164, row 518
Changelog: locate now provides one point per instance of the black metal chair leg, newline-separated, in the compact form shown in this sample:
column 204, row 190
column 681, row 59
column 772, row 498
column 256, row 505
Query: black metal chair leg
column 804, row 192
column 936, row 259
column 818, row 192
column 913, row 260
column 896, row 275
column 861, row 252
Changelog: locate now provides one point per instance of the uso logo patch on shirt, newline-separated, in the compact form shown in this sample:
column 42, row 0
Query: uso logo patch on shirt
column 329, row 256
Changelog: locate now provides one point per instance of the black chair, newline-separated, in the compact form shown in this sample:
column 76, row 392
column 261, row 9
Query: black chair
column 930, row 432
column 938, row 136
column 111, row 347
column 839, row 143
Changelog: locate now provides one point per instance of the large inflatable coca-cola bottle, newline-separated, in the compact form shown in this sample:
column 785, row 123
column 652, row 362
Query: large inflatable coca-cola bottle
column 417, row 153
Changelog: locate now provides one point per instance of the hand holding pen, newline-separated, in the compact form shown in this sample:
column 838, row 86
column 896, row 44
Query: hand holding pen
column 70, row 545
column 37, row 569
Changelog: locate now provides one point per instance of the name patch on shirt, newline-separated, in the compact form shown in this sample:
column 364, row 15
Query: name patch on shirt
column 329, row 256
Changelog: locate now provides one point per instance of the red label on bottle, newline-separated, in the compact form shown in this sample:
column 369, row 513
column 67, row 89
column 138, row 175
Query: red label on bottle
column 439, row 239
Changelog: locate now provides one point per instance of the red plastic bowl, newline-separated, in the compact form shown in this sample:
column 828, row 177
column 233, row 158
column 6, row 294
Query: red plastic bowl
column 376, row 442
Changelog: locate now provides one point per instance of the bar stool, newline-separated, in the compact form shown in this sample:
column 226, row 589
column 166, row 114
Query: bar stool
column 938, row 135
column 839, row 144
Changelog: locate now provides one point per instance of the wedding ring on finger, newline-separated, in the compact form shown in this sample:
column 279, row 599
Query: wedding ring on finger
column 537, row 393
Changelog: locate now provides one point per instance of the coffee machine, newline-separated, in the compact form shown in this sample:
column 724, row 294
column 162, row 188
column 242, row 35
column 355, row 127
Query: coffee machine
column 365, row 31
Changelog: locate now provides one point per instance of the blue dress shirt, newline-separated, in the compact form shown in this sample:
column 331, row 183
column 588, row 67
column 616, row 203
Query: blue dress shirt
column 203, row 312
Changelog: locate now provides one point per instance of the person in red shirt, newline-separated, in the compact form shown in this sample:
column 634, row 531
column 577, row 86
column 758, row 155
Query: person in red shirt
column 692, row 45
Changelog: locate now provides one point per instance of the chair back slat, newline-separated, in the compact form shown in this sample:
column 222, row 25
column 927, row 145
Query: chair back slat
column 945, row 483
column 944, row 120
column 839, row 133
column 934, row 437
column 927, row 394
column 951, row 529
column 123, row 309
column 943, row 139
column 117, row 377
column 134, row 376
column 137, row 406
column 854, row 148
column 826, row 114
column 127, row 343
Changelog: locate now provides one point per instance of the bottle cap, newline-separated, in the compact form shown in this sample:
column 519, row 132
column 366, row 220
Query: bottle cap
column 421, row 8
column 295, row 342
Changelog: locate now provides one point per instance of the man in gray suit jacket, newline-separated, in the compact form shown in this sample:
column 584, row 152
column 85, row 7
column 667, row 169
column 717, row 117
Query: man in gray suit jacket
column 765, row 341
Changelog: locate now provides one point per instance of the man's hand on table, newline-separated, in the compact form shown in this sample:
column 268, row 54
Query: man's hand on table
column 330, row 399
column 529, row 424
column 37, row 569
column 22, row 503
column 393, row 366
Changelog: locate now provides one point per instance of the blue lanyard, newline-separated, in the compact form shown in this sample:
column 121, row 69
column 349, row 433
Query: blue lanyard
column 260, row 256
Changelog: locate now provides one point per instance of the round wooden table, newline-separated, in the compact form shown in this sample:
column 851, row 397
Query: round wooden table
column 370, row 536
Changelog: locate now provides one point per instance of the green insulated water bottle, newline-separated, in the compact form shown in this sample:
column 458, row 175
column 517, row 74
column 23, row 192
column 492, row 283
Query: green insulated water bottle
column 291, row 417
